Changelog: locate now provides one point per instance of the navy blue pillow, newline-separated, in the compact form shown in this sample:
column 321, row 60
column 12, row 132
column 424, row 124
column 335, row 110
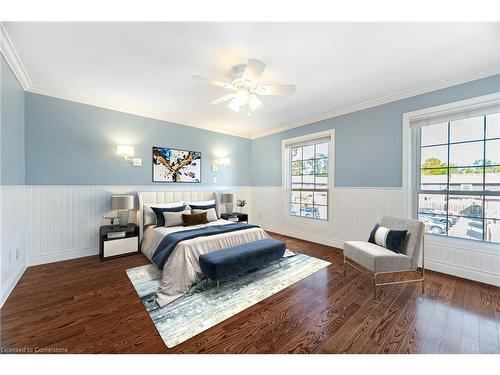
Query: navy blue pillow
column 208, row 206
column 197, row 207
column 391, row 239
column 395, row 240
column 372, row 234
column 160, row 220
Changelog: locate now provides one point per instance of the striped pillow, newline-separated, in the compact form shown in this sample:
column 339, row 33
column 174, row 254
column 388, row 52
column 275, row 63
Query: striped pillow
column 391, row 239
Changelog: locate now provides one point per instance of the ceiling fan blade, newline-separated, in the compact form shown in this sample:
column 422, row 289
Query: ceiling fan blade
column 253, row 70
column 222, row 99
column 214, row 82
column 276, row 89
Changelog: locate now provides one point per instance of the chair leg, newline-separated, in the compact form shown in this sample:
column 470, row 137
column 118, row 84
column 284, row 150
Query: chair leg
column 217, row 286
column 344, row 265
column 279, row 263
column 375, row 286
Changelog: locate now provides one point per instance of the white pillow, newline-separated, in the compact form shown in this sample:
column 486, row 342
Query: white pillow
column 211, row 214
column 149, row 217
column 174, row 219
column 206, row 203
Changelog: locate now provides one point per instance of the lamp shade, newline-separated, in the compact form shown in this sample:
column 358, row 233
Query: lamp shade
column 228, row 198
column 222, row 162
column 125, row 151
column 122, row 202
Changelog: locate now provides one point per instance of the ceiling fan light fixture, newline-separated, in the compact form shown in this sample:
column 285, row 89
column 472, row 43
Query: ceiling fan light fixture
column 246, row 88
column 234, row 105
column 254, row 103
column 241, row 97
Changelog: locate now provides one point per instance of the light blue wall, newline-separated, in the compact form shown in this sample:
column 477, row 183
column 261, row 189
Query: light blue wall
column 12, row 127
column 69, row 143
column 368, row 143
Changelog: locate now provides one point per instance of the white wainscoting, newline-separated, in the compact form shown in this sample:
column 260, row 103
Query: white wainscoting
column 13, row 238
column 354, row 213
column 63, row 221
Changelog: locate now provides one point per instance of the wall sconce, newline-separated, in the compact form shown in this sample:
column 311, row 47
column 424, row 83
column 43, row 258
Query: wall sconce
column 127, row 152
column 220, row 163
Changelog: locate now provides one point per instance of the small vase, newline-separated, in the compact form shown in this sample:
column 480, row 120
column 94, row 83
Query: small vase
column 123, row 217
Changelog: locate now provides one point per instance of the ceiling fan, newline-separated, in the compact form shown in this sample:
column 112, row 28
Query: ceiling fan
column 245, row 87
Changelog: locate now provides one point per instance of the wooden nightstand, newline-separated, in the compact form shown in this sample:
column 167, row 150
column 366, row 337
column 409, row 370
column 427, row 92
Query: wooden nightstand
column 241, row 217
column 116, row 240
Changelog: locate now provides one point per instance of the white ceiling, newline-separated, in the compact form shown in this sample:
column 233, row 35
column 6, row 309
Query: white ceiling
column 146, row 68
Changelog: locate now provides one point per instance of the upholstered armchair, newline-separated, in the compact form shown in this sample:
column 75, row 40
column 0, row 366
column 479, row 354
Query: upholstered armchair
column 378, row 260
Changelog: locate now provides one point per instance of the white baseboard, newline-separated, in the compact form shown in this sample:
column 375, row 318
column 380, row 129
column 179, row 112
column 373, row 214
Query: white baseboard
column 466, row 273
column 57, row 257
column 10, row 286
column 328, row 241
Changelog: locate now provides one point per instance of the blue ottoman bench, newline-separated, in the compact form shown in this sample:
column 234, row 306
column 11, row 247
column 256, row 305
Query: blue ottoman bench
column 236, row 260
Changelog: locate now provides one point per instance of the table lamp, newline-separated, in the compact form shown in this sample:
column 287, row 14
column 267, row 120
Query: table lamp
column 228, row 200
column 122, row 203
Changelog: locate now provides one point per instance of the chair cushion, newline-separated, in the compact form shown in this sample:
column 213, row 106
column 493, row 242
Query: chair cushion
column 376, row 258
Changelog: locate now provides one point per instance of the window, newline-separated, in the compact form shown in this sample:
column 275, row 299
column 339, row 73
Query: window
column 458, row 184
column 307, row 166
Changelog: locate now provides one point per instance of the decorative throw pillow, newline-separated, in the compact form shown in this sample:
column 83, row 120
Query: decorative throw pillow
column 202, row 203
column 391, row 239
column 194, row 219
column 204, row 207
column 149, row 217
column 160, row 221
column 174, row 219
column 211, row 214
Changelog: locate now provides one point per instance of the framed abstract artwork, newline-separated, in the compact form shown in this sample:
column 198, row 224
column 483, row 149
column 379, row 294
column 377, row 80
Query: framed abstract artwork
column 174, row 165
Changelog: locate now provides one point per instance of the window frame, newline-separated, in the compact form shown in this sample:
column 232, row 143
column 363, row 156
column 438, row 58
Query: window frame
column 287, row 180
column 411, row 158
column 448, row 193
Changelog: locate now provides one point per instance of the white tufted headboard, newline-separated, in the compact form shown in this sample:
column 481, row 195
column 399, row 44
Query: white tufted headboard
column 151, row 197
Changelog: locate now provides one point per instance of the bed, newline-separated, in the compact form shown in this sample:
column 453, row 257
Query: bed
column 182, row 269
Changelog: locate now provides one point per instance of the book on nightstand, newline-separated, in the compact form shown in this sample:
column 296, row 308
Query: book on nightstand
column 117, row 234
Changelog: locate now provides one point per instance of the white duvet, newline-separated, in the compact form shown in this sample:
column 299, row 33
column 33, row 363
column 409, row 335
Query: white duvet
column 182, row 268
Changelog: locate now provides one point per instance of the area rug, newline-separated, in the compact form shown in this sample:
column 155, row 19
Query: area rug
column 202, row 307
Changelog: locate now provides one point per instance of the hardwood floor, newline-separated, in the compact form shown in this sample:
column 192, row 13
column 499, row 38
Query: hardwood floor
column 89, row 306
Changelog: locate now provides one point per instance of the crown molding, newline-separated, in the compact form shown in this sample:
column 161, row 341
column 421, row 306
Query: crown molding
column 491, row 71
column 11, row 56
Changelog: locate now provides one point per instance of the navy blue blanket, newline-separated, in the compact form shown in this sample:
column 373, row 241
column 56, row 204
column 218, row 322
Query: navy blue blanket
column 168, row 244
